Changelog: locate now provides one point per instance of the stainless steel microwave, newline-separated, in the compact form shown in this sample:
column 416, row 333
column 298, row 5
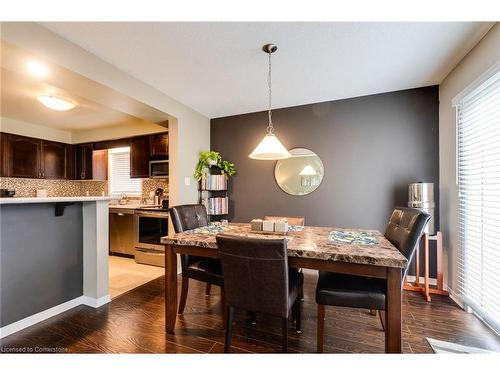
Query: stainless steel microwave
column 158, row 168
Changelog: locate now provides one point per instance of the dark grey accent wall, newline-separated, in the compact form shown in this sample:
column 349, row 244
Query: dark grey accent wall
column 372, row 147
column 41, row 258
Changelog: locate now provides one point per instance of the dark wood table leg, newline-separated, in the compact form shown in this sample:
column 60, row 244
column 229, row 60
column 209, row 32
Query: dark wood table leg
column 393, row 311
column 170, row 288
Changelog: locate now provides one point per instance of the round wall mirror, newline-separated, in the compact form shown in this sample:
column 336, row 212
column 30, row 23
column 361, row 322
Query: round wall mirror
column 299, row 174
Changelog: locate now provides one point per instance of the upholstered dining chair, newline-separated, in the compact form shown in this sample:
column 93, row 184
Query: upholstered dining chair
column 405, row 228
column 257, row 279
column 208, row 270
column 292, row 220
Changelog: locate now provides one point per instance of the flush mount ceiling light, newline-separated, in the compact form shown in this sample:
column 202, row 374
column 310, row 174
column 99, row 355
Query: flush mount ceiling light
column 270, row 148
column 56, row 103
column 37, row 69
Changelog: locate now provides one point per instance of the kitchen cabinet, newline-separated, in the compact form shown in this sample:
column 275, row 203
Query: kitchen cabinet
column 82, row 162
column 24, row 157
column 159, row 146
column 4, row 155
column 121, row 231
column 90, row 164
column 33, row 158
column 54, row 156
column 100, row 165
column 139, row 157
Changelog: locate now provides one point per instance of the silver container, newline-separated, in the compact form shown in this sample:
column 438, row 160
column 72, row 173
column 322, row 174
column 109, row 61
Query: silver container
column 421, row 196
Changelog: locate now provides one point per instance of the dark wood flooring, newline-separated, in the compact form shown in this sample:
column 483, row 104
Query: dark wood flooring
column 134, row 323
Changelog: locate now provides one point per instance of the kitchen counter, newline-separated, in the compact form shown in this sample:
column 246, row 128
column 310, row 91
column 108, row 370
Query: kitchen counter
column 52, row 199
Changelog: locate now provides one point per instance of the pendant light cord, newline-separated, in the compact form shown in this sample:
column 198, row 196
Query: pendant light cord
column 270, row 127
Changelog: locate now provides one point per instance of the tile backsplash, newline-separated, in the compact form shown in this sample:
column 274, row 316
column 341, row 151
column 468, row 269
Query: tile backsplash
column 26, row 187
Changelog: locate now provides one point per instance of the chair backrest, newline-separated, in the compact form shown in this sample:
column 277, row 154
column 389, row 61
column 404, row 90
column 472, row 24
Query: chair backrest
column 292, row 220
column 255, row 273
column 188, row 216
column 406, row 227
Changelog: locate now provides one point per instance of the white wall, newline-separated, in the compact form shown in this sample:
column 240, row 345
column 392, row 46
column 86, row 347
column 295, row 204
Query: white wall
column 484, row 55
column 28, row 129
column 189, row 131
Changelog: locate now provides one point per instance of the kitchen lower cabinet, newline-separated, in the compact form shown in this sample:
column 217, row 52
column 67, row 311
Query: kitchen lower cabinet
column 121, row 231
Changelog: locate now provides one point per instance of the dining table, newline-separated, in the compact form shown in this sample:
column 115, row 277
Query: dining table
column 308, row 247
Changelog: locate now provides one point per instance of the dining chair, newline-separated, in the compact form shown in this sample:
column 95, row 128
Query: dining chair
column 208, row 270
column 257, row 279
column 292, row 220
column 406, row 227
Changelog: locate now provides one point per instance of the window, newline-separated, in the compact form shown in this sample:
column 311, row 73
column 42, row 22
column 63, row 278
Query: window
column 119, row 173
column 478, row 178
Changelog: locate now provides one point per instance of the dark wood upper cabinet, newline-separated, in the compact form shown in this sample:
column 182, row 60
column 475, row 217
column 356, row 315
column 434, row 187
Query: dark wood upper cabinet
column 139, row 157
column 89, row 164
column 82, row 165
column 100, row 165
column 4, row 155
column 54, row 157
column 24, row 155
column 159, row 146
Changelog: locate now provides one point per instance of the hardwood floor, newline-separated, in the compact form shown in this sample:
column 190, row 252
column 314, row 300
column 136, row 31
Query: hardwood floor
column 134, row 323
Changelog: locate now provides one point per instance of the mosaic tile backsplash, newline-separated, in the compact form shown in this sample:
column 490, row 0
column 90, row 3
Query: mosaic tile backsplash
column 27, row 187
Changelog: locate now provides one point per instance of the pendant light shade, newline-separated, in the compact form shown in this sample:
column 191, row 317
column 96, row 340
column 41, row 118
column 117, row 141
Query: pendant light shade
column 308, row 171
column 270, row 148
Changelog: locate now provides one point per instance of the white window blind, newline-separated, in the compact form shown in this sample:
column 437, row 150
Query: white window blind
column 478, row 178
column 119, row 173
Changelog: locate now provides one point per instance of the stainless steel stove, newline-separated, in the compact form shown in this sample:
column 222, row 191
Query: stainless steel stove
column 151, row 224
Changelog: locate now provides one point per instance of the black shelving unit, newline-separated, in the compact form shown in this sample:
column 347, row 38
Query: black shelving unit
column 205, row 194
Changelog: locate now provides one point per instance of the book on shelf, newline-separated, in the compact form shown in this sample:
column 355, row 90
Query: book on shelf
column 216, row 206
column 214, row 182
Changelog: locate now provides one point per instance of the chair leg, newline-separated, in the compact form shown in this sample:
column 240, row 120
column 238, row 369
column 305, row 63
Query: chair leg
column 381, row 314
column 207, row 289
column 320, row 328
column 284, row 327
column 229, row 328
column 223, row 303
column 184, row 293
column 298, row 323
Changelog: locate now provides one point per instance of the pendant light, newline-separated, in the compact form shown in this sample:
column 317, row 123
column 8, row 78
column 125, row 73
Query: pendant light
column 270, row 148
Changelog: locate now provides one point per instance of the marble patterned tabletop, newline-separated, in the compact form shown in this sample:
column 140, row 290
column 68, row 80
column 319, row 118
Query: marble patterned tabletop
column 311, row 242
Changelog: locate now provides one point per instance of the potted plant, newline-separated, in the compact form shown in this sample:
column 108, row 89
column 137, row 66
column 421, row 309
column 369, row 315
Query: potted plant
column 210, row 159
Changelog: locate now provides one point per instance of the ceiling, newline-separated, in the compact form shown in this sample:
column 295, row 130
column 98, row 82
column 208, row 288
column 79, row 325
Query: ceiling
column 97, row 105
column 219, row 69
column 19, row 102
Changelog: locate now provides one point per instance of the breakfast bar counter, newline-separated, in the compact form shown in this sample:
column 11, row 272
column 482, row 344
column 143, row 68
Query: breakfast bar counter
column 53, row 256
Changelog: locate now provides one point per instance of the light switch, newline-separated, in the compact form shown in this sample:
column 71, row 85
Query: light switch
column 187, row 181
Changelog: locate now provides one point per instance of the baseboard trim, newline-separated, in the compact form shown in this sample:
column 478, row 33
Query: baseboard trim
column 411, row 279
column 53, row 311
column 96, row 302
